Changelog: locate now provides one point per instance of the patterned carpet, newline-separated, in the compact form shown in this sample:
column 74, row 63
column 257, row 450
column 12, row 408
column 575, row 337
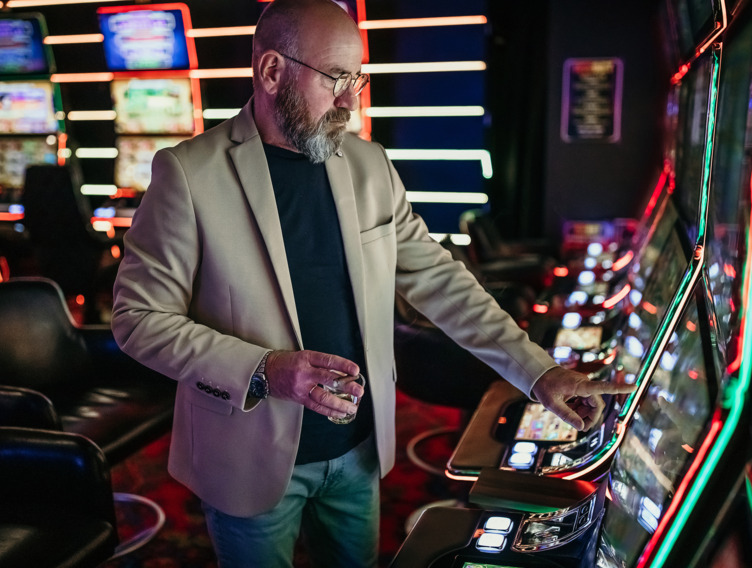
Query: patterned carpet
column 183, row 541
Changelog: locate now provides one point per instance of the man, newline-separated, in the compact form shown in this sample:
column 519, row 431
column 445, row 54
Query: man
column 261, row 267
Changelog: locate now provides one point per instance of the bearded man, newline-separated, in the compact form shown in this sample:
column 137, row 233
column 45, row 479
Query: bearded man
column 261, row 268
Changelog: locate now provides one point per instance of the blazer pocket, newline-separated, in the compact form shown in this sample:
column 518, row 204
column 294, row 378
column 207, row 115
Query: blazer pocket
column 208, row 402
column 378, row 232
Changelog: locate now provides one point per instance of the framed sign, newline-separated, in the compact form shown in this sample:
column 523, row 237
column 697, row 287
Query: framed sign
column 591, row 100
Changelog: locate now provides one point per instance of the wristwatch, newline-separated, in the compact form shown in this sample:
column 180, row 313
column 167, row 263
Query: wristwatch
column 259, row 385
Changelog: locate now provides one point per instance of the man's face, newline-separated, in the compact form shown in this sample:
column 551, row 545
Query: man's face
column 316, row 139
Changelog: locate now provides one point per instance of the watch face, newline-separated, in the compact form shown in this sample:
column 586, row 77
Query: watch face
column 258, row 387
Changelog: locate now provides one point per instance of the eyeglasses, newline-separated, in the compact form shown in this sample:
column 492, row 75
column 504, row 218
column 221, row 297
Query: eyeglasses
column 341, row 83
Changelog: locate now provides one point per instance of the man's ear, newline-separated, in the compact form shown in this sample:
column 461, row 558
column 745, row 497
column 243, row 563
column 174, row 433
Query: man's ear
column 271, row 67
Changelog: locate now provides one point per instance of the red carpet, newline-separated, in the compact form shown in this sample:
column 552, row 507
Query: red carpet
column 184, row 543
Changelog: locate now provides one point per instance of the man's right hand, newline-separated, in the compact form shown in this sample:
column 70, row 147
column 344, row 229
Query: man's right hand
column 296, row 376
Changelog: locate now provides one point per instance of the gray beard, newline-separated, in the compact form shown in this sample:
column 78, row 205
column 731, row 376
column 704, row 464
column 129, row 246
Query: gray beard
column 315, row 140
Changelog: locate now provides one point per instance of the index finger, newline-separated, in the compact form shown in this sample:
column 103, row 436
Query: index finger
column 330, row 362
column 598, row 387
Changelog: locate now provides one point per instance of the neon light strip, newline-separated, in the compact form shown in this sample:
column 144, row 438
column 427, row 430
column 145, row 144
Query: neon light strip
column 31, row 3
column 623, row 261
column 482, row 155
column 220, row 113
column 221, row 73
column 426, row 67
column 104, row 224
column 96, row 153
column 447, row 197
column 456, row 238
column 98, row 189
column 221, row 32
column 618, row 297
column 410, row 111
column 102, row 77
column 422, row 22
column 69, row 39
column 11, row 216
column 76, row 115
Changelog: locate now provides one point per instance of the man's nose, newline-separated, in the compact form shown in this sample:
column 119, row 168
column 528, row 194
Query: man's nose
column 348, row 100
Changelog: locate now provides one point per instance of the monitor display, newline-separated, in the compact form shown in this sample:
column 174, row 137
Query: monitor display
column 22, row 51
column 18, row 153
column 135, row 153
column 153, row 106
column 142, row 39
column 27, row 107
column 667, row 428
column 542, row 425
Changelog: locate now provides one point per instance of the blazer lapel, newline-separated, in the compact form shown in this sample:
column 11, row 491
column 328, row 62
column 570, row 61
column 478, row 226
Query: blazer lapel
column 347, row 212
column 250, row 164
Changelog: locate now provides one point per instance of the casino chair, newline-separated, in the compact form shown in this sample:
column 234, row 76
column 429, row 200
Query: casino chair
column 66, row 247
column 96, row 390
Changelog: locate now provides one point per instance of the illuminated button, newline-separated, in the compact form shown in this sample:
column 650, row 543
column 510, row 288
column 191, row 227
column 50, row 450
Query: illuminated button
column 594, row 249
column 590, row 263
column 521, row 460
column 586, row 278
column 571, row 320
column 525, row 448
column 491, row 542
column 498, row 524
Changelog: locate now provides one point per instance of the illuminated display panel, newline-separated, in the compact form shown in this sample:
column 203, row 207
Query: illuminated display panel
column 153, row 106
column 22, row 50
column 655, row 278
column 667, row 428
column 540, row 424
column 693, row 99
column 135, row 153
column 150, row 38
column 18, row 153
column 27, row 107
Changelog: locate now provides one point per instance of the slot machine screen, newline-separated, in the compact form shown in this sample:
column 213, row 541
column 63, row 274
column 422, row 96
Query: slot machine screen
column 135, row 153
column 18, row 153
column 27, row 107
column 648, row 302
column 693, row 99
column 540, row 424
column 22, row 50
column 668, row 426
column 152, row 106
column 142, row 39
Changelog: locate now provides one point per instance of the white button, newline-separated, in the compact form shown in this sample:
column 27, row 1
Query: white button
column 521, row 461
column 525, row 448
column 498, row 524
column 491, row 542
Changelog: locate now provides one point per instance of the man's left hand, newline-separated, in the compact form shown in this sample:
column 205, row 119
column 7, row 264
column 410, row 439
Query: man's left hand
column 573, row 397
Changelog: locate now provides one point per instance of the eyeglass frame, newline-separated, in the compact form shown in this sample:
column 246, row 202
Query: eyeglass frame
column 351, row 83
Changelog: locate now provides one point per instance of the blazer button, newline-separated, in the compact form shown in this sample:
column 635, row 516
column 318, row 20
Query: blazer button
column 216, row 392
column 226, row 395
column 200, row 385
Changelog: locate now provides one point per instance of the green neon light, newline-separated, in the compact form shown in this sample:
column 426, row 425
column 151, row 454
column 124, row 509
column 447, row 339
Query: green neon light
column 737, row 390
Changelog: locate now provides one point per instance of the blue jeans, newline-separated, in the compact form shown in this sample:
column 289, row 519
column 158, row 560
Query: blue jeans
column 335, row 504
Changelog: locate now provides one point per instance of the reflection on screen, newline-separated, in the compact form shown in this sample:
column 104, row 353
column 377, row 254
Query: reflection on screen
column 18, row 153
column 27, row 107
column 540, row 424
column 153, row 106
column 693, row 22
column 21, row 49
column 667, row 428
column 135, row 153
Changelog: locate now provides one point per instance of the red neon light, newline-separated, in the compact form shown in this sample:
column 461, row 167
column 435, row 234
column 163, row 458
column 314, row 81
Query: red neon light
column 618, row 297
column 680, row 491
column 649, row 308
column 657, row 190
column 693, row 374
column 736, row 363
column 540, row 308
column 114, row 221
column 11, row 216
column 561, row 271
column 623, row 261
column 729, row 270
column 62, row 140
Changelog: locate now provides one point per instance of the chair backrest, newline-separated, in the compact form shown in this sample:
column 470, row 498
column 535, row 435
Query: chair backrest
column 49, row 471
column 40, row 347
column 26, row 408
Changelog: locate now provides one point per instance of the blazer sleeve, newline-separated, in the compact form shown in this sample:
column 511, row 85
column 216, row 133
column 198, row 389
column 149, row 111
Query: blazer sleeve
column 444, row 291
column 153, row 291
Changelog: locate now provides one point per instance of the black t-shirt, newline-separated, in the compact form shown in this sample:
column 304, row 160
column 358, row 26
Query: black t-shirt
column 322, row 289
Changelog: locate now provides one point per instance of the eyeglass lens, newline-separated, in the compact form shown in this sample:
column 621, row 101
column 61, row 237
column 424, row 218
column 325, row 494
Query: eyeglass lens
column 346, row 79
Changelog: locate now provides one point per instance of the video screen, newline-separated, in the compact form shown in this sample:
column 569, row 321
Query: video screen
column 152, row 106
column 22, row 50
column 135, row 153
column 586, row 338
column 16, row 154
column 142, row 39
column 27, row 107
column 542, row 425
column 667, row 428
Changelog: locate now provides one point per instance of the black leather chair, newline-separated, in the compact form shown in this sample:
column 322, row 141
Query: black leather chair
column 56, row 506
column 96, row 390
column 67, row 248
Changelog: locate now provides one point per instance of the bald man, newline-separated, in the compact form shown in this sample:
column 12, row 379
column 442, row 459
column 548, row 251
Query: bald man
column 261, row 267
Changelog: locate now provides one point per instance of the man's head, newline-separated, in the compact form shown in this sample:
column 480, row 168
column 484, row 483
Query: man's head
column 300, row 48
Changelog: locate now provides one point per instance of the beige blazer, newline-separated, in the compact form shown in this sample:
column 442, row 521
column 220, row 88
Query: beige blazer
column 204, row 289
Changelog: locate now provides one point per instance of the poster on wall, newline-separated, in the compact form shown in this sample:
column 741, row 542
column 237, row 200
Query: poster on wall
column 591, row 100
